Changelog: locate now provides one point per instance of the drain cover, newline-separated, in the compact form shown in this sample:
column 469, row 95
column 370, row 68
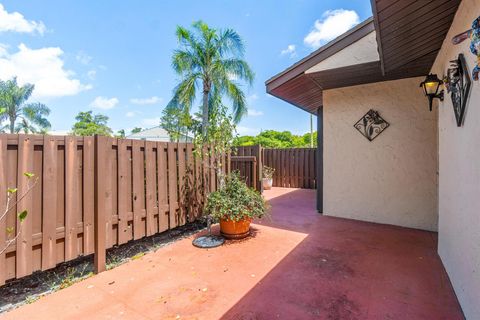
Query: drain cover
column 210, row 241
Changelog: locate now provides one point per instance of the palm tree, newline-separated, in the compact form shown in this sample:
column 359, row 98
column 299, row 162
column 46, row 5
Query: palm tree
column 212, row 60
column 21, row 116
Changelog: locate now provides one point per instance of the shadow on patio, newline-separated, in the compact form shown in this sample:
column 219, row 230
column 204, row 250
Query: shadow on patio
column 347, row 269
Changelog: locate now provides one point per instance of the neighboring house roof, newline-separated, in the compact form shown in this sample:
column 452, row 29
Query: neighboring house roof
column 408, row 35
column 155, row 134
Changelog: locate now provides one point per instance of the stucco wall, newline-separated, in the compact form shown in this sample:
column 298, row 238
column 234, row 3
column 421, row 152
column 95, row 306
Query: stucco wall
column 459, row 175
column 393, row 179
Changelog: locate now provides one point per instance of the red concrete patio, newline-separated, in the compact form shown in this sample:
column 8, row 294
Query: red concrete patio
column 298, row 265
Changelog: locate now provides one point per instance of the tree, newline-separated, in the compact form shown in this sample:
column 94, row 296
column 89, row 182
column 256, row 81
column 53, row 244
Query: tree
column 120, row 134
column 89, row 124
column 212, row 60
column 277, row 139
column 177, row 122
column 21, row 116
column 136, row 130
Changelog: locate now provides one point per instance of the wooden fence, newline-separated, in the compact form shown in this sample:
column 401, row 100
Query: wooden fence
column 294, row 167
column 247, row 166
column 132, row 188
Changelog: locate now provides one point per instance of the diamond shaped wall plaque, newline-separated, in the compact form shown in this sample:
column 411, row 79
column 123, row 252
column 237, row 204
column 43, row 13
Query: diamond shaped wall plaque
column 371, row 125
column 458, row 85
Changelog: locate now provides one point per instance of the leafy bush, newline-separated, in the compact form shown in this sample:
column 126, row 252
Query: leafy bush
column 268, row 172
column 235, row 201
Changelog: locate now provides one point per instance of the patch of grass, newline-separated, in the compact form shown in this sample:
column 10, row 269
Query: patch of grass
column 31, row 299
column 138, row 255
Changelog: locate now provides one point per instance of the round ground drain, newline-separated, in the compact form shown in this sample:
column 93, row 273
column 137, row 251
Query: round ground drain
column 209, row 241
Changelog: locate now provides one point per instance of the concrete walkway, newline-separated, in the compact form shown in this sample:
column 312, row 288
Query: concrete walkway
column 298, row 265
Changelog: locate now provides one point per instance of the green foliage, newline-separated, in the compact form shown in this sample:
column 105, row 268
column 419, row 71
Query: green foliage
column 218, row 140
column 22, row 215
column 276, row 139
column 10, row 204
column 136, row 130
column 20, row 115
column 210, row 60
column 268, row 172
column 177, row 122
column 89, row 124
column 29, row 175
column 235, row 201
column 12, row 190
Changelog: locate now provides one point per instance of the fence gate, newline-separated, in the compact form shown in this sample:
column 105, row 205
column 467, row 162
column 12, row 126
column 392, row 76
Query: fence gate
column 294, row 167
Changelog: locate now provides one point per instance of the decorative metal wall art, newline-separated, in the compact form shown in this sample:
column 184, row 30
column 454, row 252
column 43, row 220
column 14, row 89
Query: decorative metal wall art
column 458, row 84
column 474, row 36
column 371, row 125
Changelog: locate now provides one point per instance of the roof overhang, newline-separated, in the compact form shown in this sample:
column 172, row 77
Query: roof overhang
column 408, row 35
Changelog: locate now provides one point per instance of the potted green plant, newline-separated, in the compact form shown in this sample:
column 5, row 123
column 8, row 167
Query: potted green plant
column 235, row 205
column 267, row 179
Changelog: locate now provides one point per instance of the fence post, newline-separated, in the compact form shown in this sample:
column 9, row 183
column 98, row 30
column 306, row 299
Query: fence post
column 100, row 196
column 254, row 173
column 259, row 155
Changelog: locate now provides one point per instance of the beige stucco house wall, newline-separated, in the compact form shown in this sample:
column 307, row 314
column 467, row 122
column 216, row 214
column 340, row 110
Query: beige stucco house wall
column 459, row 175
column 392, row 179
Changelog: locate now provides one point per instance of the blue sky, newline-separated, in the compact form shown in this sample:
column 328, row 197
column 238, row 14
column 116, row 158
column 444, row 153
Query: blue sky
column 113, row 57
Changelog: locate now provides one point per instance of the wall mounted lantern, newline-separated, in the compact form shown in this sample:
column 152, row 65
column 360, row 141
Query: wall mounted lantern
column 430, row 86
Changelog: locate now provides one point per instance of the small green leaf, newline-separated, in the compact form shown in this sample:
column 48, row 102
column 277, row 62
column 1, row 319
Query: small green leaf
column 22, row 215
column 29, row 175
column 12, row 190
column 9, row 230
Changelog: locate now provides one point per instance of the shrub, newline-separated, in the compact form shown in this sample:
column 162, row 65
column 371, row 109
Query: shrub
column 268, row 172
column 235, row 201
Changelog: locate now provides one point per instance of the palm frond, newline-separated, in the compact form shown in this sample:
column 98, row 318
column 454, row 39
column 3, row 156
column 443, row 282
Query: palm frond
column 239, row 104
column 230, row 43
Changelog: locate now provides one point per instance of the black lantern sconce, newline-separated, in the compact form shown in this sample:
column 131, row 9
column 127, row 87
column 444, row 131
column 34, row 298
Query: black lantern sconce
column 430, row 86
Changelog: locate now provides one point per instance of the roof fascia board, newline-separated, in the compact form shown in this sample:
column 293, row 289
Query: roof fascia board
column 378, row 34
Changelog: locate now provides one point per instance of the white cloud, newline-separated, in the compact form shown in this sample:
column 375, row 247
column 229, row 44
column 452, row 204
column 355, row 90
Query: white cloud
column 130, row 114
column 254, row 113
column 143, row 101
column 241, row 130
column 253, row 97
column 332, row 24
column 92, row 74
column 151, row 121
column 16, row 22
column 42, row 67
column 83, row 58
column 104, row 103
column 290, row 50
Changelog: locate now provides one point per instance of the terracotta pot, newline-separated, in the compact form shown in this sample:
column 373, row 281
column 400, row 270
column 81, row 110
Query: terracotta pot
column 267, row 183
column 235, row 229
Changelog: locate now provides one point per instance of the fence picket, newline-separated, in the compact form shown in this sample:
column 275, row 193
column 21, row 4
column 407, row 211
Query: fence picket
column 138, row 188
column 182, row 199
column 172, row 186
column 162, row 178
column 24, row 255
column 49, row 221
column 71, row 247
column 151, row 187
column 3, row 203
column 124, row 166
